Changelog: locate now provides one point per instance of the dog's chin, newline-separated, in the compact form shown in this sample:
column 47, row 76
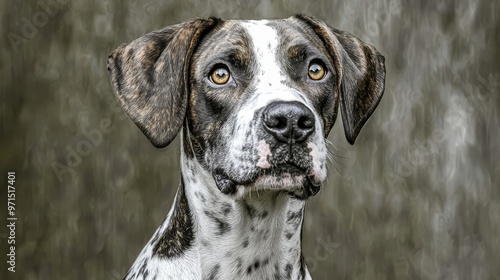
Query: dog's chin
column 298, row 186
column 290, row 179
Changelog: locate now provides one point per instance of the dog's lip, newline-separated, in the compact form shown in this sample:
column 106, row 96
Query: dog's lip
column 225, row 184
column 286, row 168
column 311, row 187
column 312, row 180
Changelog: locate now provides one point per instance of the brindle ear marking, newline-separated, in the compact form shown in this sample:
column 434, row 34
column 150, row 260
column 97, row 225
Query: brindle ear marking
column 362, row 70
column 150, row 77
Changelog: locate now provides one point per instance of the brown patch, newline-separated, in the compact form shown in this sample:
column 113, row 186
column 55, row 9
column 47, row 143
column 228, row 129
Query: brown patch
column 296, row 53
column 150, row 77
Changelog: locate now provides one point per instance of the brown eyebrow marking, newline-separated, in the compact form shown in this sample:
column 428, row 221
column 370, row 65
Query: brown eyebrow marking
column 236, row 57
column 297, row 53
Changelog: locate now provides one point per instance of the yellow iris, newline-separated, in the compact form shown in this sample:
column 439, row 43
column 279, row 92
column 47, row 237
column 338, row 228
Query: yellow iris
column 220, row 75
column 316, row 71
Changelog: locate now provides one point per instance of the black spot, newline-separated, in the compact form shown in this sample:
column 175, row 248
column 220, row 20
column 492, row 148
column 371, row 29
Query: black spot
column 200, row 196
column 256, row 264
column 245, row 243
column 222, row 226
column 250, row 210
column 214, row 272
column 264, row 214
column 294, row 218
column 179, row 235
column 226, row 208
column 267, row 234
column 288, row 271
column 265, row 262
column 249, row 269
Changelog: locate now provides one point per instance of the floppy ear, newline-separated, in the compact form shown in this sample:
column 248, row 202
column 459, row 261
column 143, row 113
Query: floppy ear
column 150, row 77
column 362, row 74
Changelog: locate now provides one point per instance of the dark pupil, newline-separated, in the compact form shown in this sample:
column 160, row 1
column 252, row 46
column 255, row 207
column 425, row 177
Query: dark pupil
column 221, row 73
column 315, row 69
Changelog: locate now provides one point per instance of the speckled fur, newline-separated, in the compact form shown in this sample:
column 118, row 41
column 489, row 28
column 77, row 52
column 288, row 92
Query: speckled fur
column 253, row 232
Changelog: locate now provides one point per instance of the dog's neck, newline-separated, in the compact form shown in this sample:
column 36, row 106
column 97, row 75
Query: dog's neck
column 249, row 236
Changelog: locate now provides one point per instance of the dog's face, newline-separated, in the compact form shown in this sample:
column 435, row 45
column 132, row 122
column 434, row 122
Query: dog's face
column 257, row 98
column 260, row 93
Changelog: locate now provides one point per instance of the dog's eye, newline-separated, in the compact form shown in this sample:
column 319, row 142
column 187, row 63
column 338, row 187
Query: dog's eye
column 316, row 71
column 220, row 75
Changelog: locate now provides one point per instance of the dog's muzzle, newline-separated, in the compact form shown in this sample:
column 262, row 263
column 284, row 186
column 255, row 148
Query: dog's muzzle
column 286, row 128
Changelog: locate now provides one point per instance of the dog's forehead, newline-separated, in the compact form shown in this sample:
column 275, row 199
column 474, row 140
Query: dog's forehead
column 262, row 34
column 265, row 40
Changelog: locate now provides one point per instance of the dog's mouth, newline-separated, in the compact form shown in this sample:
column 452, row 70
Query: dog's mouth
column 287, row 168
column 289, row 177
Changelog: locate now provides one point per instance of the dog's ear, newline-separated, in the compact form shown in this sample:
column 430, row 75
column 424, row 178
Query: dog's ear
column 362, row 74
column 150, row 77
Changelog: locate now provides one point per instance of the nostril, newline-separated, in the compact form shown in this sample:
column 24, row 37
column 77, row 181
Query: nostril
column 305, row 122
column 282, row 122
column 278, row 122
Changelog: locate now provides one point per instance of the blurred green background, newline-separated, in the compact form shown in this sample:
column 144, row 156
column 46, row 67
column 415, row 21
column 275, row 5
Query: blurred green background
column 417, row 196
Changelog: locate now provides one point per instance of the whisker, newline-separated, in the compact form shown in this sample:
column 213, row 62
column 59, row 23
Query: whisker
column 337, row 169
column 338, row 162
column 329, row 156
column 337, row 147
column 342, row 157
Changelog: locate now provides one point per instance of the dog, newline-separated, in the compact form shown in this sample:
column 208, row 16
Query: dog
column 254, row 101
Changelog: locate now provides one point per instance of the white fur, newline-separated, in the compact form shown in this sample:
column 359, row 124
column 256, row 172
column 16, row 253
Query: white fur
column 264, row 152
column 270, row 86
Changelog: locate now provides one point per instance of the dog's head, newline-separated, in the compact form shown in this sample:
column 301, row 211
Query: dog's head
column 256, row 98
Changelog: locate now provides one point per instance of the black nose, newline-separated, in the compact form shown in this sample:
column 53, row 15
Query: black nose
column 288, row 121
